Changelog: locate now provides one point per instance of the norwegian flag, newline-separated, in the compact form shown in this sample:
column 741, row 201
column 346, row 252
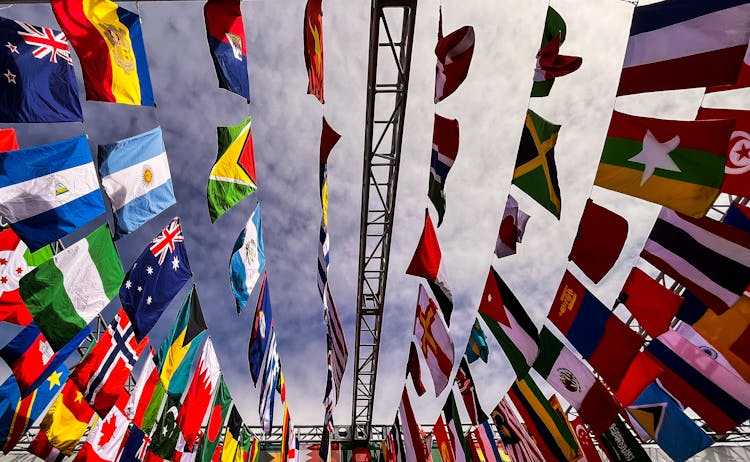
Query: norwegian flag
column 102, row 374
column 47, row 42
column 166, row 240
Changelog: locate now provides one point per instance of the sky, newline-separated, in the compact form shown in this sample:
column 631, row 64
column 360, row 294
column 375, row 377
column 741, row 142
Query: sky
column 490, row 106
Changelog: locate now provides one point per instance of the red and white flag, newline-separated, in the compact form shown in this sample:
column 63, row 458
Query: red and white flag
column 143, row 391
column 590, row 454
column 196, row 403
column 105, row 440
column 15, row 262
column 433, row 338
column 413, row 443
column 454, row 52
column 737, row 167
column 512, row 227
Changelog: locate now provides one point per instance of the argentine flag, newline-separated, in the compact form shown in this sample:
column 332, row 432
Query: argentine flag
column 136, row 178
column 49, row 191
column 248, row 259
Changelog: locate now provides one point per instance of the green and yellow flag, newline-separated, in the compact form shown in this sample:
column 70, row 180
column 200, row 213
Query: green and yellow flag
column 536, row 173
column 232, row 177
column 232, row 451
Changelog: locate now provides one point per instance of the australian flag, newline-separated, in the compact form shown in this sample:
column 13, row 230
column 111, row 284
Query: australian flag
column 37, row 79
column 155, row 278
column 226, row 40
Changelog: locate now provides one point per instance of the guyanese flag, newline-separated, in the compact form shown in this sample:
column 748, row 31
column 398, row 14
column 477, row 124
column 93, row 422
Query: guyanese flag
column 678, row 164
column 536, row 172
column 232, row 177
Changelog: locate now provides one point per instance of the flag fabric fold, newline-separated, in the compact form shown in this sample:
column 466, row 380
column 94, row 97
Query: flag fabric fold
column 196, row 401
column 651, row 304
column 549, row 62
column 599, row 240
column 227, row 44
column 67, row 419
column 104, row 441
column 312, row 34
column 468, row 391
column 413, row 444
column 453, row 52
column 736, row 176
column 512, row 227
column 516, row 440
column 433, row 338
column 141, row 395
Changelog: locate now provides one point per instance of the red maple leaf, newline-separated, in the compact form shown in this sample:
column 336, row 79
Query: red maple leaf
column 108, row 429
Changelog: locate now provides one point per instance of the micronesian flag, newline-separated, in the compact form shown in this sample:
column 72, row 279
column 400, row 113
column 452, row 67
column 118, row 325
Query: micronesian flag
column 38, row 81
column 226, row 40
column 49, row 191
column 136, row 178
column 248, row 259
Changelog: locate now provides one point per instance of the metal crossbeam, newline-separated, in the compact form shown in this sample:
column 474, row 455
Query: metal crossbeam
column 391, row 35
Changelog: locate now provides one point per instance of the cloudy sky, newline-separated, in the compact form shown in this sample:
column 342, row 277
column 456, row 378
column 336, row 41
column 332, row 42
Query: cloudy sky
column 490, row 106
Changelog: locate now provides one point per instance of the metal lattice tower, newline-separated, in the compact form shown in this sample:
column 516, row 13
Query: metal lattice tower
column 391, row 37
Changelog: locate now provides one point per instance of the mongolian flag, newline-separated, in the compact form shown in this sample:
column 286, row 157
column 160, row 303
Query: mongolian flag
column 16, row 260
column 433, row 338
column 248, row 260
column 227, row 43
column 39, row 82
column 651, row 304
column 535, row 172
column 454, row 52
column 312, row 33
column 202, row 387
column 232, row 177
column 549, row 62
column 678, row 164
column 444, row 152
column 217, row 416
column 67, row 419
column 109, row 42
column 678, row 44
column 737, row 167
column 600, row 238
column 512, row 227
column 427, row 263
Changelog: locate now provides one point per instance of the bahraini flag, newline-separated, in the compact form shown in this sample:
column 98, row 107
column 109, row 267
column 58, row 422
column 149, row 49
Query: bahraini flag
column 196, row 401
column 232, row 177
column 678, row 164
column 248, row 260
column 228, row 45
column 109, row 42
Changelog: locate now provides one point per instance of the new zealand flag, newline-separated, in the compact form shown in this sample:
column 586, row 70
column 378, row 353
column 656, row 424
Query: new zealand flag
column 37, row 79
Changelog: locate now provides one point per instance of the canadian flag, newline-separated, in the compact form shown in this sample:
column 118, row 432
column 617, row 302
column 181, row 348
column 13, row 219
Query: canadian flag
column 104, row 442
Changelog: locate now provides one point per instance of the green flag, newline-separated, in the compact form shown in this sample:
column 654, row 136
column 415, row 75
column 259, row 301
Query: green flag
column 550, row 63
column 621, row 445
column 164, row 439
column 66, row 293
column 218, row 415
column 152, row 410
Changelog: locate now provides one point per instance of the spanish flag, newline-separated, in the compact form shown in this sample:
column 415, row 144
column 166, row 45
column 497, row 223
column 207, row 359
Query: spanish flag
column 109, row 42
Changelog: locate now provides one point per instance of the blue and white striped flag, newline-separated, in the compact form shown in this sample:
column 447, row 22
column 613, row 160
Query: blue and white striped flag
column 248, row 259
column 49, row 191
column 135, row 176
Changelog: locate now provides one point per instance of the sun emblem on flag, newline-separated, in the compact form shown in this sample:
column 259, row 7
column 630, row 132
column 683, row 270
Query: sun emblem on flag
column 569, row 380
column 46, row 41
column 148, row 175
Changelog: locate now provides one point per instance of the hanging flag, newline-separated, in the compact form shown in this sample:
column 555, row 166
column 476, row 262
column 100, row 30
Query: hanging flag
column 509, row 323
column 468, row 392
column 248, row 260
column 40, row 82
column 49, row 191
column 427, row 263
column 288, row 437
column 717, row 395
column 601, row 337
column 554, row 401
column 738, row 216
column 651, row 304
column 232, row 178
column 443, row 441
column 512, row 227
column 176, row 354
column 454, row 52
column 551, row 434
column 433, row 338
column 167, row 432
column 105, row 439
column 535, row 172
column 414, row 369
column 66, row 293
column 549, row 62
column 67, row 419
column 678, row 164
column 336, row 342
column 455, row 429
column 136, row 178
column 22, row 412
column 312, row 34
column 202, row 387
column 663, row 420
column 232, row 436
column 591, row 252
column 590, row 453
column 219, row 411
column 477, row 348
column 641, row 373
column 41, row 447
column 738, row 157
column 228, row 45
column 711, row 259
column 413, row 445
column 248, row 446
column 570, row 377
column 513, row 435
column 102, row 373
column 109, row 42
column 15, row 262
column 619, row 444
column 684, row 44
column 261, row 333
column 153, row 407
column 444, row 151
column 485, row 439
column 268, row 384
column 150, row 284
column 141, row 395
column 136, row 445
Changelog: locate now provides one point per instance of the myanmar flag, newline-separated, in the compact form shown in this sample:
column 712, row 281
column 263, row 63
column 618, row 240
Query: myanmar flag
column 678, row 164
column 536, row 172
column 232, row 177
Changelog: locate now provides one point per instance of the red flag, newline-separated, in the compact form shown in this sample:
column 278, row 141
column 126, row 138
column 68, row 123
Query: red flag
column 743, row 80
column 737, row 168
column 641, row 373
column 512, row 227
column 599, row 241
column 41, row 447
column 14, row 264
column 550, row 63
column 8, row 141
column 653, row 305
column 454, row 52
column 313, row 40
column 105, row 439
column 445, row 447
column 199, row 394
column 590, row 454
column 414, row 370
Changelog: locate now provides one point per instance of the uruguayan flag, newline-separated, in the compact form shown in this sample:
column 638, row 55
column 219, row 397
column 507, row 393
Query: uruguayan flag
column 49, row 191
column 248, row 259
column 136, row 178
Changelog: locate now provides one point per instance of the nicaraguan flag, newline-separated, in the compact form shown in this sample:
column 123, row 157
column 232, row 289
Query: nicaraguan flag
column 135, row 176
column 49, row 191
column 248, row 259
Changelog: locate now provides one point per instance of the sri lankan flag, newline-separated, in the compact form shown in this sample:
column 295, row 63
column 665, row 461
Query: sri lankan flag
column 536, row 173
column 109, row 42
column 678, row 164
column 232, row 177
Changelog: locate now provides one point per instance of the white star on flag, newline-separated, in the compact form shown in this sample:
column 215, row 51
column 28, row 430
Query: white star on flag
column 128, row 284
column 149, row 270
column 139, row 289
column 655, row 154
column 175, row 263
column 148, row 300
